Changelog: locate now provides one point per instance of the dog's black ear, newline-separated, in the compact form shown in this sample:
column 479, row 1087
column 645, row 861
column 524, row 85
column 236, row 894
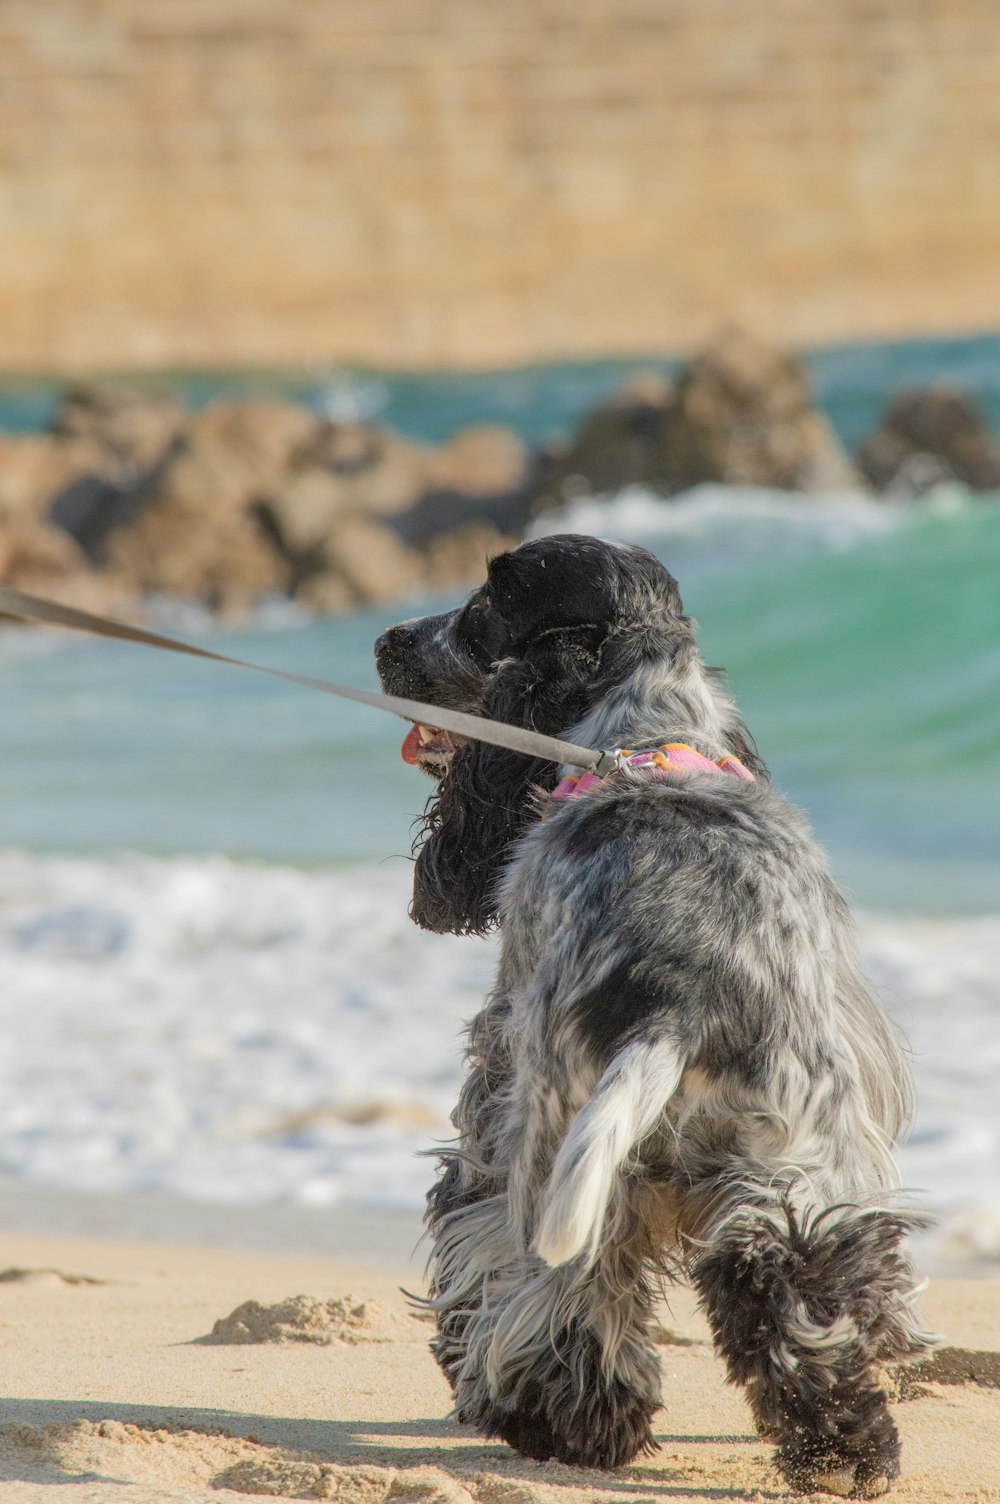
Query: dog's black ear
column 544, row 585
column 486, row 799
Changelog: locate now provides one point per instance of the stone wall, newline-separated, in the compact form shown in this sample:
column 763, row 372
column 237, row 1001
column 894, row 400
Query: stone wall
column 476, row 181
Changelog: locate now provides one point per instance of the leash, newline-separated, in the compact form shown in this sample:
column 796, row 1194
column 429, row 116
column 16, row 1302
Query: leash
column 39, row 611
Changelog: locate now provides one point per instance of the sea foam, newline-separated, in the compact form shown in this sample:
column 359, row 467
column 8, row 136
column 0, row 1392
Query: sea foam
column 249, row 1033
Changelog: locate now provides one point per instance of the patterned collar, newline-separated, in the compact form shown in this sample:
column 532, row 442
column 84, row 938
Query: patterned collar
column 661, row 762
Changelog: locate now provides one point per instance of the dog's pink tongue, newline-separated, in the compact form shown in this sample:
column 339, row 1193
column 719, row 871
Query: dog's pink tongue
column 411, row 746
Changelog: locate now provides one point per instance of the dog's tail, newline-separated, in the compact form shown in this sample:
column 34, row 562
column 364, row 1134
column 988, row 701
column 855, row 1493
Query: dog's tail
column 627, row 1104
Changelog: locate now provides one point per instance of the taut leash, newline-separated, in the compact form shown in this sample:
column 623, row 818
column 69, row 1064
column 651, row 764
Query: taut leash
column 36, row 609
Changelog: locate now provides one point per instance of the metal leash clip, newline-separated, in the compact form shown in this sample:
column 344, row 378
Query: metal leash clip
column 608, row 762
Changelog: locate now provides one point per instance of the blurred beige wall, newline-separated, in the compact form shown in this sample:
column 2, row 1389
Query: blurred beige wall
column 475, row 181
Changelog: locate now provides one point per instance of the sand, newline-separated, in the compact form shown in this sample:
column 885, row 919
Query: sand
column 114, row 1389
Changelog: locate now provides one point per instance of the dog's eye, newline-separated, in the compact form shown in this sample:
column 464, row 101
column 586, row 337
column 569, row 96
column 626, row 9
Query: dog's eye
column 481, row 633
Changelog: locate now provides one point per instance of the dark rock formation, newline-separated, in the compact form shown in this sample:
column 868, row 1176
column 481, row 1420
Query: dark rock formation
column 484, row 477
column 120, row 438
column 930, row 436
column 128, row 426
column 620, row 443
column 131, row 494
column 195, row 533
column 740, row 413
column 743, row 415
column 362, row 512
column 35, row 554
column 245, row 499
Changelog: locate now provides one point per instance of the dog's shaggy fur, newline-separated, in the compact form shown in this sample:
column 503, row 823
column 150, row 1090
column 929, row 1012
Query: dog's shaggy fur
column 680, row 1070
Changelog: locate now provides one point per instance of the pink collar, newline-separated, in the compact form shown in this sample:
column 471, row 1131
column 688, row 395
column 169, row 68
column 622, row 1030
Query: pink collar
column 659, row 762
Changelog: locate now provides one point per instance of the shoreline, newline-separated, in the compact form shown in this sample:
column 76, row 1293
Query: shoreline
column 380, row 1240
column 377, row 1239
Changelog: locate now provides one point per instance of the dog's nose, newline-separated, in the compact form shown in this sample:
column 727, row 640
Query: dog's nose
column 393, row 646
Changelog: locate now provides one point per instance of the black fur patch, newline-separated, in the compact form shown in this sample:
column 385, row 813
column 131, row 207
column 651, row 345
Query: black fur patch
column 616, row 1007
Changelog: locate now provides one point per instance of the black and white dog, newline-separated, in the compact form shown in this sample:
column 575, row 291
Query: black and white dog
column 681, row 1069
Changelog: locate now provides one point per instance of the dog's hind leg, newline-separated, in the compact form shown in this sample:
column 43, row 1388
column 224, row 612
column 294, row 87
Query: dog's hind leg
column 560, row 1363
column 467, row 1216
column 805, row 1304
column 555, row 1361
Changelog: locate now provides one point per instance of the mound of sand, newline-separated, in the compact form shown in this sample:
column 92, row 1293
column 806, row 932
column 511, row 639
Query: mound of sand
column 303, row 1318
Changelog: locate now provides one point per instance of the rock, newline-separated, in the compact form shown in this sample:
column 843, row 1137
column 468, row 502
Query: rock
column 38, row 557
column 375, row 471
column 931, row 436
column 113, row 440
column 246, row 498
column 217, row 557
column 327, row 593
column 131, row 427
column 441, row 514
column 484, row 476
column 363, row 563
column 33, row 468
column 90, row 506
column 739, row 413
column 301, row 518
column 742, row 415
column 362, row 511
column 324, row 515
column 35, row 555
column 486, row 459
column 619, row 444
column 238, row 451
column 195, row 532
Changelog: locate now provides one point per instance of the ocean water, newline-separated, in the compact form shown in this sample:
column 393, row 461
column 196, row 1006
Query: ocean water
column 862, row 641
column 209, row 982
column 850, row 383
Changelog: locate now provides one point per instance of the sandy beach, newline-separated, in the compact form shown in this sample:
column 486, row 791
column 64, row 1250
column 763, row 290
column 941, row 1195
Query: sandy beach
column 115, row 1389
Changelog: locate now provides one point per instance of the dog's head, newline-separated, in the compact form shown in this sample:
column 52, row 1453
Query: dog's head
column 558, row 623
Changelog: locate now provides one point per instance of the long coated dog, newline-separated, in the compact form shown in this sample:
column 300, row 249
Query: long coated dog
column 680, row 1070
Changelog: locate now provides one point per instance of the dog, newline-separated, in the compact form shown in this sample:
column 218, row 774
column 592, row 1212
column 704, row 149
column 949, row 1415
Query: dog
column 680, row 1072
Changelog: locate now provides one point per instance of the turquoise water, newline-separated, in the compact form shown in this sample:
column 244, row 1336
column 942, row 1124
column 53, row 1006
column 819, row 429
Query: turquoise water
column 850, row 383
column 863, row 644
column 872, row 680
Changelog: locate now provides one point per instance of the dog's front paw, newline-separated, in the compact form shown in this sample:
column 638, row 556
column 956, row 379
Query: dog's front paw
column 852, row 1470
column 548, row 1426
column 605, row 1429
column 528, row 1431
column 613, row 1437
column 524, row 1426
